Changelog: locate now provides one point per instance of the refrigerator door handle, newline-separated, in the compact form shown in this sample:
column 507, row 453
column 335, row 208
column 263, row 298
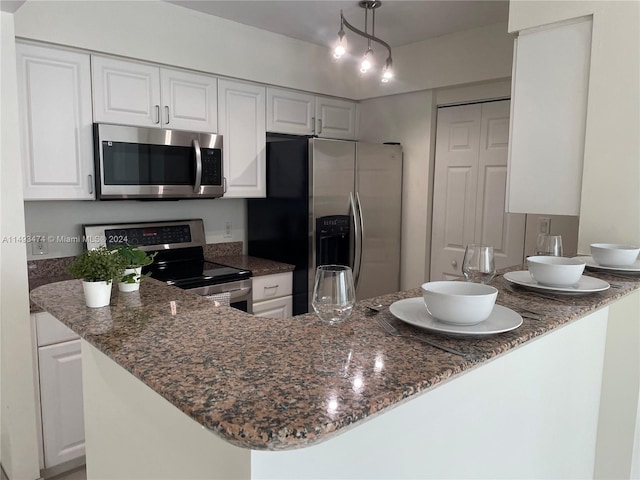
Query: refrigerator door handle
column 354, row 219
column 359, row 239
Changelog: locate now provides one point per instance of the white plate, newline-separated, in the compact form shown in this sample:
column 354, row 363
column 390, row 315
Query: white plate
column 584, row 285
column 591, row 263
column 414, row 312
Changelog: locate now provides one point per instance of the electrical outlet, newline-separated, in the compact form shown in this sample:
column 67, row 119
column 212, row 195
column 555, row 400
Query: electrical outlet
column 39, row 244
column 544, row 225
column 227, row 230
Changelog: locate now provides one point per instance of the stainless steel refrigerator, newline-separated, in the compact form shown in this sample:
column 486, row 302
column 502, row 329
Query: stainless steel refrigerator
column 330, row 202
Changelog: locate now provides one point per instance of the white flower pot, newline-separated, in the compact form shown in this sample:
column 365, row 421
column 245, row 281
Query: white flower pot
column 131, row 287
column 97, row 294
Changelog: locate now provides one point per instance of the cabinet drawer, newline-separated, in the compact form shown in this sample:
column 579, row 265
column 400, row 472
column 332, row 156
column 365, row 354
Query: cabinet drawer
column 272, row 286
column 50, row 330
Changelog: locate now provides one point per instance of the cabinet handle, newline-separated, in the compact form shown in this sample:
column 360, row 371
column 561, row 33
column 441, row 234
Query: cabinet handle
column 270, row 291
column 166, row 108
column 454, row 264
column 313, row 125
column 319, row 126
column 90, row 184
column 157, row 113
column 224, row 189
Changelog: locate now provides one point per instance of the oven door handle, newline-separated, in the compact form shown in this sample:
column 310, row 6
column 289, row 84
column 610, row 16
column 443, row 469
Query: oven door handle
column 238, row 292
column 196, row 146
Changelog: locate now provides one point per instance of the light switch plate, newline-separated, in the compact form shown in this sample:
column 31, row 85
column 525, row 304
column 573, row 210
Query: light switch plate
column 228, row 230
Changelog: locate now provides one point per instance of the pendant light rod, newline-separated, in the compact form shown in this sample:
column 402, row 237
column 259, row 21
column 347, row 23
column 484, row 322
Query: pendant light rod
column 364, row 34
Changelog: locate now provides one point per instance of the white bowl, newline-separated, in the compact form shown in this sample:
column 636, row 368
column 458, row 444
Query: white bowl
column 459, row 303
column 613, row 254
column 555, row 271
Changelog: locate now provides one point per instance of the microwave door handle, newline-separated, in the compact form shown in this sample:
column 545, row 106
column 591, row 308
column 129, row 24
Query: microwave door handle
column 196, row 146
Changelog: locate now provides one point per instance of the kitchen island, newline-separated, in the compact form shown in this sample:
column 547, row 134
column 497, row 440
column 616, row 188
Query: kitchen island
column 176, row 387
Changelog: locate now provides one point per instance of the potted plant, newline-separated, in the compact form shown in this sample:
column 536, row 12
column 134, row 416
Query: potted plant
column 98, row 269
column 134, row 259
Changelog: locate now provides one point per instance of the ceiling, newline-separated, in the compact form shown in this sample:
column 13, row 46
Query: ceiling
column 398, row 22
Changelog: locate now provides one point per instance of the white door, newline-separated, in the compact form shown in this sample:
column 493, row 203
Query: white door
column 126, row 93
column 54, row 94
column 61, row 402
column 454, row 188
column 504, row 231
column 290, row 112
column 335, row 118
column 470, row 186
column 189, row 101
column 242, row 124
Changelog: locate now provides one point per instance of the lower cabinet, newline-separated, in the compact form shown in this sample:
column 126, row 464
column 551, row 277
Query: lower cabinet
column 272, row 295
column 60, row 389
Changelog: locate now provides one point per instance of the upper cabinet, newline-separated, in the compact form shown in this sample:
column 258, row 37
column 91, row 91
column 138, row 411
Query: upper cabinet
column 548, row 120
column 54, row 89
column 133, row 93
column 299, row 113
column 290, row 112
column 335, row 118
column 242, row 125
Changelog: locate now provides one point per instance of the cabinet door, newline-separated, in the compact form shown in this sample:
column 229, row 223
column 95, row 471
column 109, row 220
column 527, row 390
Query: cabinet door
column 126, row 93
column 548, row 124
column 61, row 402
column 54, row 88
column 189, row 101
column 335, row 118
column 290, row 112
column 241, row 110
column 276, row 308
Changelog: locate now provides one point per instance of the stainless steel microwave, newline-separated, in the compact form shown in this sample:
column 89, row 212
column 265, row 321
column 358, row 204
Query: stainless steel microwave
column 152, row 163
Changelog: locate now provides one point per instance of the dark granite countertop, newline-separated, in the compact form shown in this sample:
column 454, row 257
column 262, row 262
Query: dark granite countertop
column 277, row 384
column 53, row 270
column 258, row 266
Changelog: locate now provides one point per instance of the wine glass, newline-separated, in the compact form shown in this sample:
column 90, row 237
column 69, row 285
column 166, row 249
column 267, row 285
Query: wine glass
column 334, row 295
column 478, row 264
column 549, row 245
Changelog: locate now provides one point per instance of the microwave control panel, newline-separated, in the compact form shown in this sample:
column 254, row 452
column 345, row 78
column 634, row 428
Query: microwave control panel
column 211, row 166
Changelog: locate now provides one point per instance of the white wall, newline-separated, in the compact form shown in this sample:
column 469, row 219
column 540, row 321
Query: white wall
column 18, row 440
column 65, row 219
column 165, row 33
column 476, row 55
column 610, row 201
column 155, row 31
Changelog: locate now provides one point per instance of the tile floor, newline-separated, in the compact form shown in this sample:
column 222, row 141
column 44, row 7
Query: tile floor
column 77, row 474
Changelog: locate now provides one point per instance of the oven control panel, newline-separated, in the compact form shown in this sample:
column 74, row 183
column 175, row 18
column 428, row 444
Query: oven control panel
column 147, row 236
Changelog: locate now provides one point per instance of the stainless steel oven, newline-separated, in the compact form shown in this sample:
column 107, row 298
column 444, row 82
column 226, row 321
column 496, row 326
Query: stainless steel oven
column 153, row 163
column 180, row 258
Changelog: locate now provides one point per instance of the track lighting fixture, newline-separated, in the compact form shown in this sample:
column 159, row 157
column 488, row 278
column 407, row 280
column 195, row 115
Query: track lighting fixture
column 367, row 59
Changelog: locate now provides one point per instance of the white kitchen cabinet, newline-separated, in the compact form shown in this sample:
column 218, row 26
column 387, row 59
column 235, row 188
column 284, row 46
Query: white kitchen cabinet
column 548, row 119
column 335, row 118
column 290, row 112
column 54, row 90
column 299, row 113
column 272, row 295
column 241, row 108
column 133, row 93
column 60, row 387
